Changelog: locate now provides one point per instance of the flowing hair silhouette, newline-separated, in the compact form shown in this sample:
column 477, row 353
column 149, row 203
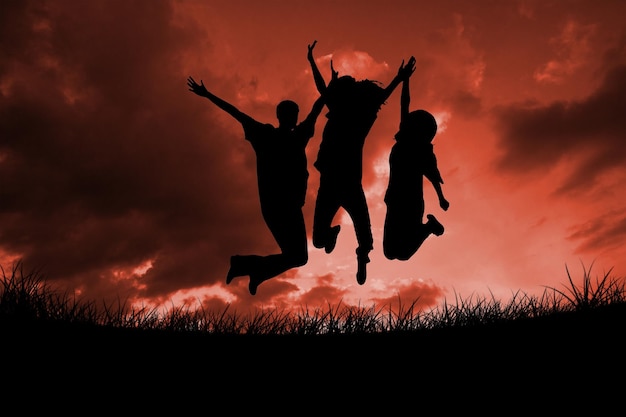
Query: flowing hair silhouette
column 353, row 107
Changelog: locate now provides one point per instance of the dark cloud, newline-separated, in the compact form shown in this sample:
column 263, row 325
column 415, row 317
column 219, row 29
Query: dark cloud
column 107, row 161
column 602, row 233
column 589, row 132
column 466, row 103
column 322, row 295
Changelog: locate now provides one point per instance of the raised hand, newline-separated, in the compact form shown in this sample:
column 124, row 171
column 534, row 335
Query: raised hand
column 199, row 89
column 405, row 71
column 444, row 204
column 310, row 53
column 335, row 74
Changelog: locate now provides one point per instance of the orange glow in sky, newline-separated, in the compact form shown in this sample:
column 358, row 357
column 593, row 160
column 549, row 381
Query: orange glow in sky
column 117, row 181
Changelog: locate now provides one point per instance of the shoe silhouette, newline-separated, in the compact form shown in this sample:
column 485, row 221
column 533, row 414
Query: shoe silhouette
column 254, row 283
column 436, row 227
column 236, row 268
column 330, row 245
column 361, row 273
column 256, row 278
column 241, row 265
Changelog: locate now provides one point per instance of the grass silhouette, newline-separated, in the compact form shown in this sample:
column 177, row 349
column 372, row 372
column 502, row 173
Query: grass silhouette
column 27, row 299
column 560, row 353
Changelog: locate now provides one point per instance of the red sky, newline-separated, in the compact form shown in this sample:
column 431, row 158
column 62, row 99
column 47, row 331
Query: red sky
column 119, row 183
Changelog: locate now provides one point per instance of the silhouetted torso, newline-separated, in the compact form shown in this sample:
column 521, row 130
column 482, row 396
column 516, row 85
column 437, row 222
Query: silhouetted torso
column 281, row 161
column 282, row 176
column 352, row 110
column 409, row 163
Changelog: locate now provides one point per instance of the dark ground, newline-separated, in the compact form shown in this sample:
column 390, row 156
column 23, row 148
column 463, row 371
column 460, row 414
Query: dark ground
column 570, row 363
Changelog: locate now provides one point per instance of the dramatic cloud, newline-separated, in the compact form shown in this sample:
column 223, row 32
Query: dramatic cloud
column 573, row 46
column 118, row 182
column 588, row 133
column 109, row 162
column 606, row 232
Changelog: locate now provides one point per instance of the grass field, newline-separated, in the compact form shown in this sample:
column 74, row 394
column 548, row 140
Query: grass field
column 567, row 345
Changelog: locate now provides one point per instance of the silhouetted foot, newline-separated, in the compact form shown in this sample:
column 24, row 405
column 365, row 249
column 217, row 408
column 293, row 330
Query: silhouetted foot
column 256, row 278
column 241, row 265
column 437, row 228
column 332, row 241
column 361, row 272
column 253, row 284
column 236, row 268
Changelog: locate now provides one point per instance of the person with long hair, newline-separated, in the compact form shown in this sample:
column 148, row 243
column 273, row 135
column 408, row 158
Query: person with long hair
column 353, row 107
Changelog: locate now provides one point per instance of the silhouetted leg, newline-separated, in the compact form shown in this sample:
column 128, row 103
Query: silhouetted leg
column 241, row 265
column 272, row 266
column 403, row 230
column 269, row 267
column 287, row 225
column 431, row 227
column 402, row 239
column 286, row 222
column 326, row 207
column 392, row 235
column 332, row 238
column 356, row 206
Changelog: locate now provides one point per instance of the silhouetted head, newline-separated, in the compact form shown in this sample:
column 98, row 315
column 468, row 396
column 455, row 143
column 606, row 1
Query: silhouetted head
column 419, row 126
column 346, row 91
column 287, row 114
column 340, row 89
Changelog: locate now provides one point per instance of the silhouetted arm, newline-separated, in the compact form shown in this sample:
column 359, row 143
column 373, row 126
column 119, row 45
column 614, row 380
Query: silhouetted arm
column 316, row 109
column 317, row 75
column 404, row 72
column 443, row 203
column 405, row 101
column 434, row 176
column 308, row 125
column 334, row 74
column 201, row 90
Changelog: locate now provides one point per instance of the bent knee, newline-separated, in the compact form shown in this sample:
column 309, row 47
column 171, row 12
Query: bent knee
column 301, row 259
column 319, row 239
column 298, row 259
column 395, row 252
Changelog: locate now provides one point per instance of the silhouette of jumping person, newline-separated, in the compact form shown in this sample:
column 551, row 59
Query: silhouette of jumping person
column 352, row 110
column 411, row 159
column 282, row 177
